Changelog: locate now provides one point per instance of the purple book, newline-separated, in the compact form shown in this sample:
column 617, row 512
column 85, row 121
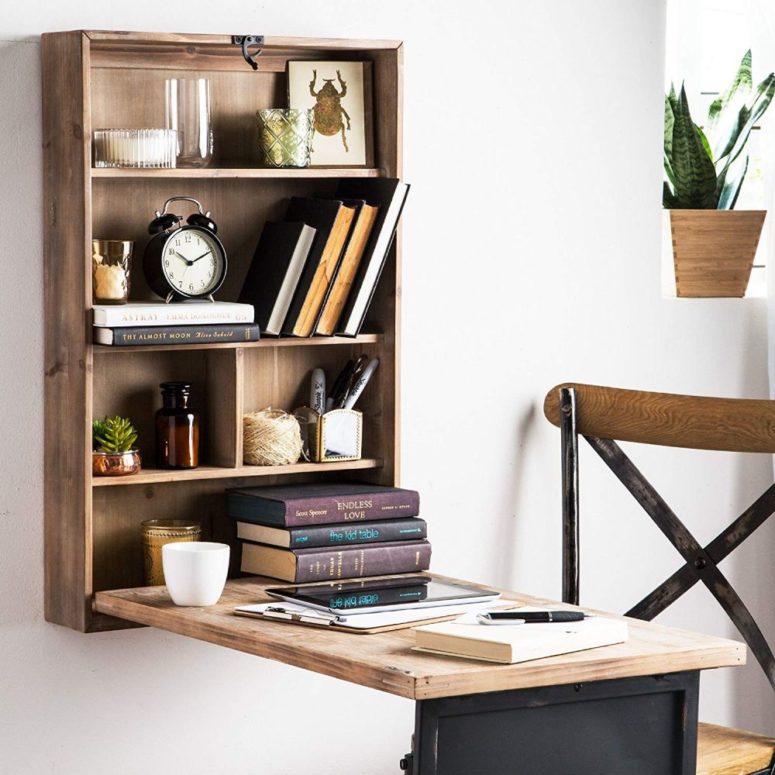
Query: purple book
column 348, row 562
column 321, row 504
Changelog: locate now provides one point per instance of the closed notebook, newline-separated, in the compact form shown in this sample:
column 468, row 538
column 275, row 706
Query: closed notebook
column 331, row 220
column 275, row 272
column 348, row 266
column 518, row 642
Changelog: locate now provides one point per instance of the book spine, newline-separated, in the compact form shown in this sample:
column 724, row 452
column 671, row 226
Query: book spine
column 124, row 337
column 376, row 560
column 172, row 315
column 348, row 534
column 371, row 507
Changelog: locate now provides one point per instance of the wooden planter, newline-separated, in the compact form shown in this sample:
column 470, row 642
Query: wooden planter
column 713, row 250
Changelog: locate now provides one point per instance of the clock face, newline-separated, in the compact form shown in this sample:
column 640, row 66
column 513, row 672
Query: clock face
column 193, row 262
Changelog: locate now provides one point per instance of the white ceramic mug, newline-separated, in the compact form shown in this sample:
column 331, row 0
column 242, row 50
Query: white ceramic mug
column 195, row 571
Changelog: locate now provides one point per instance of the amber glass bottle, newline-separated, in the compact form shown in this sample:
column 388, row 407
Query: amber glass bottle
column 177, row 428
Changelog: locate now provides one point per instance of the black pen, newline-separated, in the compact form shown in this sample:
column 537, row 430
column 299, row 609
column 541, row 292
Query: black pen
column 530, row 617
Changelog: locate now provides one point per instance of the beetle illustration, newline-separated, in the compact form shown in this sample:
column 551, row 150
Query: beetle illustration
column 328, row 108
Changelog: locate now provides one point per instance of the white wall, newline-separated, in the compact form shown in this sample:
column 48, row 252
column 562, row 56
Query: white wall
column 533, row 143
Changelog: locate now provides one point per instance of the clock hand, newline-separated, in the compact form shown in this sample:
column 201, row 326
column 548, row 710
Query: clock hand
column 188, row 262
column 202, row 256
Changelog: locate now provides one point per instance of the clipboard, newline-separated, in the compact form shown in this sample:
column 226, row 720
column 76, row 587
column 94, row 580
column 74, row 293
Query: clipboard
column 362, row 624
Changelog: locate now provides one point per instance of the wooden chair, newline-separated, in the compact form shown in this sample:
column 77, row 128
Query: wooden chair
column 603, row 416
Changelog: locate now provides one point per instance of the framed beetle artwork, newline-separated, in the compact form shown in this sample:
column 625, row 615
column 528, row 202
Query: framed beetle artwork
column 340, row 96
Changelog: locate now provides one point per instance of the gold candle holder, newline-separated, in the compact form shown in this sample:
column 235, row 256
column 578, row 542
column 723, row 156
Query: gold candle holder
column 156, row 533
column 111, row 259
column 285, row 137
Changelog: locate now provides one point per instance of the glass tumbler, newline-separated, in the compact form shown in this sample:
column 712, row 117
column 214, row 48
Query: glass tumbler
column 110, row 265
column 188, row 113
column 285, row 137
column 156, row 533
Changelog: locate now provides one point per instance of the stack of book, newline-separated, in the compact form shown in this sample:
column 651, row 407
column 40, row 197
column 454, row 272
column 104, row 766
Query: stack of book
column 315, row 272
column 188, row 322
column 316, row 532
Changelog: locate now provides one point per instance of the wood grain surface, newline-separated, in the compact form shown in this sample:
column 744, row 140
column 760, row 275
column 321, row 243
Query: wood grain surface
column 695, row 422
column 713, row 251
column 99, row 79
column 387, row 662
column 727, row 751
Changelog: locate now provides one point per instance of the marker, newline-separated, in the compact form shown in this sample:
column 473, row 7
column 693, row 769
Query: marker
column 360, row 383
column 317, row 394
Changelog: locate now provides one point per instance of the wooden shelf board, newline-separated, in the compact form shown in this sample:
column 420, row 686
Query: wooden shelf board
column 158, row 476
column 386, row 660
column 228, row 173
column 313, row 341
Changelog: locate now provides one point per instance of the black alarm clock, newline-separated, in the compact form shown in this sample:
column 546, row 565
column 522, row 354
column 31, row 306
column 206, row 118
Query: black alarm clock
column 184, row 260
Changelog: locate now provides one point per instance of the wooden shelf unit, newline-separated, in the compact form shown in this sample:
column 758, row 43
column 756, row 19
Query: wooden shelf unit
column 106, row 79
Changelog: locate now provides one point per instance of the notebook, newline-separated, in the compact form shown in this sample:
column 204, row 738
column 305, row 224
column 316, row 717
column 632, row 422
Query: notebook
column 509, row 644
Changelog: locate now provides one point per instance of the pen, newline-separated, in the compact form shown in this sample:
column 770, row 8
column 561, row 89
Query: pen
column 530, row 617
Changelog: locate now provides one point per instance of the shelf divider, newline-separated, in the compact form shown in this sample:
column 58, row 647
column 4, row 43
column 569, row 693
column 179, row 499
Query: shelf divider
column 233, row 173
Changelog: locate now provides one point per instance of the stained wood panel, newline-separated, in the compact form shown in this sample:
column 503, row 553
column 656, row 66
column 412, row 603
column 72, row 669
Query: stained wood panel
column 114, row 79
column 694, row 422
column 385, row 661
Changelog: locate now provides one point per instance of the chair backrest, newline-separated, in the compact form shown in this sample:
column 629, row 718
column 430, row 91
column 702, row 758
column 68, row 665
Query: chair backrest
column 605, row 415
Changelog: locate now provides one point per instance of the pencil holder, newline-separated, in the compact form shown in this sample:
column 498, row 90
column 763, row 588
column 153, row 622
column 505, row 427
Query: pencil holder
column 338, row 436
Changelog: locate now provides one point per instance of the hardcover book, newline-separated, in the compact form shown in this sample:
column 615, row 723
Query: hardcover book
column 331, row 220
column 319, row 504
column 389, row 195
column 343, row 534
column 348, row 266
column 133, row 335
column 275, row 272
column 183, row 313
column 521, row 642
column 321, row 564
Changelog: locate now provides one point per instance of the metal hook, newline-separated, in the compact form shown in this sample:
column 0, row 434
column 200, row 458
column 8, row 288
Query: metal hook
column 246, row 41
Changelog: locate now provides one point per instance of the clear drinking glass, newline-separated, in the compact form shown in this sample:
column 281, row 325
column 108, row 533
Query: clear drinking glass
column 188, row 113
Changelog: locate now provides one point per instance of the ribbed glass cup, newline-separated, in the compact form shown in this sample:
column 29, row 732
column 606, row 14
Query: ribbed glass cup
column 156, row 533
column 151, row 148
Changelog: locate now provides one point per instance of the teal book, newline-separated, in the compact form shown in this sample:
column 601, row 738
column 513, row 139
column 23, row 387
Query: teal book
column 340, row 534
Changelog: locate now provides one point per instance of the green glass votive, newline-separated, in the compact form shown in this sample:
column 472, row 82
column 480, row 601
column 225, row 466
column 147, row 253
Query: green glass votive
column 285, row 137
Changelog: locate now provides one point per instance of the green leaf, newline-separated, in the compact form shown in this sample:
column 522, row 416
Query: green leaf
column 751, row 115
column 669, row 123
column 732, row 183
column 737, row 91
column 692, row 167
column 668, row 197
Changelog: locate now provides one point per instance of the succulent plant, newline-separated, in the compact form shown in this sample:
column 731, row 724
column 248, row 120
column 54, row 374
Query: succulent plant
column 705, row 169
column 113, row 435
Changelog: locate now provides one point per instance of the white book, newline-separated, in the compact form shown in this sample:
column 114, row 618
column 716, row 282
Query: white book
column 513, row 643
column 183, row 313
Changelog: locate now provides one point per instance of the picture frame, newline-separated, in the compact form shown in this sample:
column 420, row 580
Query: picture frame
column 340, row 94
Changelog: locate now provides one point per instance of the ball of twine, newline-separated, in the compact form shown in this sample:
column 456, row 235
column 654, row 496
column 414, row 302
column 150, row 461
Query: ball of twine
column 271, row 438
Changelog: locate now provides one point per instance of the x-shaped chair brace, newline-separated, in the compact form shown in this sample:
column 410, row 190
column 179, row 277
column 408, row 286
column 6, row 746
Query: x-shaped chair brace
column 701, row 562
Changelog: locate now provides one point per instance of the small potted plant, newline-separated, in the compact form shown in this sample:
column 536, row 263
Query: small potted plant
column 113, row 447
column 713, row 244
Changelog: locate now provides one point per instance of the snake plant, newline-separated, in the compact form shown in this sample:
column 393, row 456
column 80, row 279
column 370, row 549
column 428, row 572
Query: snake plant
column 705, row 169
column 113, row 435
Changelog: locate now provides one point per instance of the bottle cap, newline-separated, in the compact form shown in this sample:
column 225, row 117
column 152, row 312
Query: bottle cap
column 175, row 387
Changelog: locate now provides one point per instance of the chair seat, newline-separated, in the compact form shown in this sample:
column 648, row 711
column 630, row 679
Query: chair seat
column 727, row 751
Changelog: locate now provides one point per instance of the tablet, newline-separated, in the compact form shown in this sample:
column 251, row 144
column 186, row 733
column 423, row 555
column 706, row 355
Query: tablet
column 393, row 594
